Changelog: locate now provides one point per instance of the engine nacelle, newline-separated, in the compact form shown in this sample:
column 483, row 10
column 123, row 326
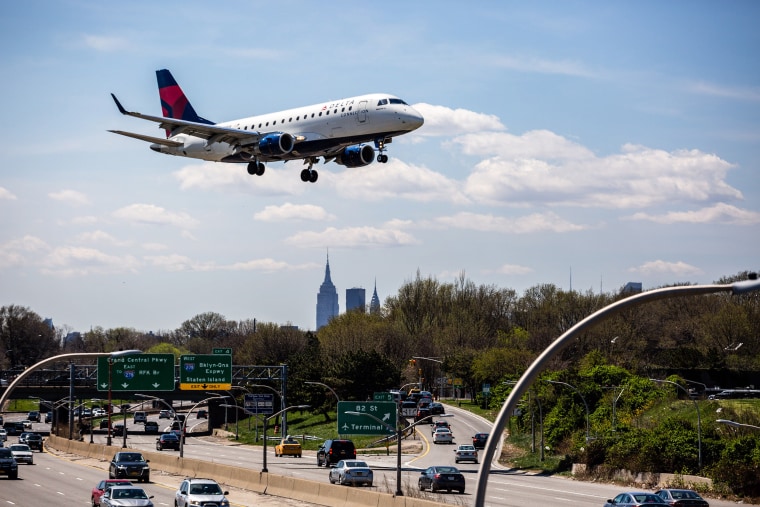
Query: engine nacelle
column 276, row 144
column 356, row 156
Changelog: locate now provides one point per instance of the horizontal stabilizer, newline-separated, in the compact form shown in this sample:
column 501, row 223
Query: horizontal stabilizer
column 150, row 139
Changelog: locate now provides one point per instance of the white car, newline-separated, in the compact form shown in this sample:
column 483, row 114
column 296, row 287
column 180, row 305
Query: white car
column 27, row 424
column 466, row 452
column 99, row 412
column 3, row 435
column 194, row 492
column 22, row 453
column 443, row 436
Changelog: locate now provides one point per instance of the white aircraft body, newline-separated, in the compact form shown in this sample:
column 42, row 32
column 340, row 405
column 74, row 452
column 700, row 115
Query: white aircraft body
column 340, row 130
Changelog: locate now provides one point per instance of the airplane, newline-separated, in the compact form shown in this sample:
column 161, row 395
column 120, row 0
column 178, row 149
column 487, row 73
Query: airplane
column 339, row 131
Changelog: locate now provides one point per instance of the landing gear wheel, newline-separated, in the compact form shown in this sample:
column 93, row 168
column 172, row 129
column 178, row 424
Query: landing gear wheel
column 305, row 175
column 313, row 176
column 382, row 158
column 260, row 169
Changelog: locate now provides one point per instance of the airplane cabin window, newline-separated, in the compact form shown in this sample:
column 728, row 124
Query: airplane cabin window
column 274, row 122
column 382, row 102
column 336, row 111
column 320, row 113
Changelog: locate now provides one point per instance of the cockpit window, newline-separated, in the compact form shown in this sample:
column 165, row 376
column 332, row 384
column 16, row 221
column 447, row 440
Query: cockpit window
column 382, row 102
column 398, row 101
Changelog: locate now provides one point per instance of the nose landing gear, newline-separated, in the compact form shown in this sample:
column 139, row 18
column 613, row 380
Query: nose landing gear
column 380, row 145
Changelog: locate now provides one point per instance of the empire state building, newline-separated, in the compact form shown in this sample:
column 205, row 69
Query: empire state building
column 327, row 299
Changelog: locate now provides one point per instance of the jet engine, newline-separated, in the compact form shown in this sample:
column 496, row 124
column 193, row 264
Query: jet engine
column 276, row 144
column 356, row 156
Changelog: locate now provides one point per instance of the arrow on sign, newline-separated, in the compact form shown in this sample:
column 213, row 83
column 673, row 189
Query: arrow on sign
column 156, row 385
column 204, row 386
column 386, row 417
column 103, row 385
column 125, row 385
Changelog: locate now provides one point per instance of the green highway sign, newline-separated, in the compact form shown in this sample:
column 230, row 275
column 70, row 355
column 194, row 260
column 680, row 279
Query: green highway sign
column 205, row 372
column 222, row 351
column 354, row 424
column 139, row 372
column 383, row 396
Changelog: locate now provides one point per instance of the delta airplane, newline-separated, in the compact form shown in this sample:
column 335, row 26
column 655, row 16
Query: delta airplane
column 340, row 130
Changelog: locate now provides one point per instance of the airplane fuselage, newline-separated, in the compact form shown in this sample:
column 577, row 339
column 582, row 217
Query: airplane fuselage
column 319, row 129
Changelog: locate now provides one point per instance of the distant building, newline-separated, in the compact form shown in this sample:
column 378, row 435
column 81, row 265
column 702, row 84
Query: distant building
column 632, row 287
column 327, row 299
column 374, row 305
column 355, row 299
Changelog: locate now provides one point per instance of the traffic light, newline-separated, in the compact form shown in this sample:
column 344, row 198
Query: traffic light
column 412, row 362
column 419, row 371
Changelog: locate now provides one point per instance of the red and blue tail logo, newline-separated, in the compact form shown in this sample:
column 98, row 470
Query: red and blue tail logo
column 174, row 103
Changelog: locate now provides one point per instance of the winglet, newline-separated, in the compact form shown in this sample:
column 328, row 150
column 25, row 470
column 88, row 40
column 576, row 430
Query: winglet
column 118, row 104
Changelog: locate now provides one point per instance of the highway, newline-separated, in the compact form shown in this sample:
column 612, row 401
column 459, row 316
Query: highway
column 506, row 488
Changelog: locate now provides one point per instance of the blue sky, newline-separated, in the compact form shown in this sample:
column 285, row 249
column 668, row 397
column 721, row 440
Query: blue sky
column 617, row 141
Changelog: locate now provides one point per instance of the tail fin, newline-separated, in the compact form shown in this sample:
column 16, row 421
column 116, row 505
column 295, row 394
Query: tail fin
column 174, row 104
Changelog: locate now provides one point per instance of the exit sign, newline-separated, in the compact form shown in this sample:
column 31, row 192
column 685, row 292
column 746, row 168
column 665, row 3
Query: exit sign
column 139, row 372
column 205, row 372
column 222, row 351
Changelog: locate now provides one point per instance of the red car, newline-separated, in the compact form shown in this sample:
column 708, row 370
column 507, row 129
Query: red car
column 98, row 490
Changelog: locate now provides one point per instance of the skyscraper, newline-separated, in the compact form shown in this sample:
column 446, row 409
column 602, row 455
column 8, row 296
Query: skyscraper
column 374, row 305
column 355, row 299
column 327, row 299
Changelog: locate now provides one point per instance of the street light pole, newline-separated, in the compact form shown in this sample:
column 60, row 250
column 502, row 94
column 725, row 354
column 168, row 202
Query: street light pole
column 584, row 403
column 266, row 420
column 326, row 386
column 736, row 424
column 530, row 375
column 184, row 423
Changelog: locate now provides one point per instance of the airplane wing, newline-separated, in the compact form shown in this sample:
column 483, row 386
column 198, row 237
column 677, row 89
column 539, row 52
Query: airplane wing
column 212, row 133
column 150, row 139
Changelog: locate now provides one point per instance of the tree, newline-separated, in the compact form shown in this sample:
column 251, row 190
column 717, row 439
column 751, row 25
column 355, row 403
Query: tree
column 25, row 337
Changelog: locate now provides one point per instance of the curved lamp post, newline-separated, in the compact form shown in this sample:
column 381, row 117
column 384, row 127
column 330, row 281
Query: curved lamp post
column 184, row 422
column 566, row 338
column 588, row 437
column 324, row 385
column 699, row 417
column 736, row 424
column 266, row 420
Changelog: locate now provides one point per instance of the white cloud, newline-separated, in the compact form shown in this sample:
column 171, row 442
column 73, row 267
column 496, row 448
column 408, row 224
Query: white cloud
column 6, row 194
column 444, row 121
column 749, row 94
column 398, row 180
column 71, row 197
column 149, row 214
column 543, row 66
column 514, row 269
column 176, row 263
column 290, row 211
column 99, row 237
column 18, row 252
column 105, row 43
column 660, row 267
column 719, row 213
column 352, row 237
column 235, row 177
column 81, row 261
column 537, row 222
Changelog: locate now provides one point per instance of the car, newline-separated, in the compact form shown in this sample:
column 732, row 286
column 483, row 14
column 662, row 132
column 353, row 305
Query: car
column 13, row 428
column 102, row 486
column 3, row 435
column 466, row 452
column 8, row 464
column 180, row 417
column 422, row 413
column 197, row 491
column 132, row 496
column 129, row 465
column 443, row 436
column 34, row 441
column 682, row 498
column 140, row 417
column 408, row 408
column 166, row 414
column 118, row 430
column 99, row 412
column 636, row 498
column 288, row 446
column 438, row 424
column 1, row 420
column 151, row 427
column 438, row 478
column 33, row 415
column 22, row 453
column 22, row 437
column 167, row 441
column 479, row 440
column 437, row 408
column 201, row 414
column 351, row 472
column 332, row 451
column 26, row 424
column 104, row 424
column 48, row 417
column 86, row 412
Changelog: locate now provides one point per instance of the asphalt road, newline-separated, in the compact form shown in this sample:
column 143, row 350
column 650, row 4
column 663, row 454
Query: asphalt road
column 506, row 488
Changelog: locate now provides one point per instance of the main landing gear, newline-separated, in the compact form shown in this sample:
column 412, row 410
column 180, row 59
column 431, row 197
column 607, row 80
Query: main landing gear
column 256, row 168
column 309, row 175
column 380, row 145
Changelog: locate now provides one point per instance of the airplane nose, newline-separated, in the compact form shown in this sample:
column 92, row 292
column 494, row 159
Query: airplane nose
column 414, row 119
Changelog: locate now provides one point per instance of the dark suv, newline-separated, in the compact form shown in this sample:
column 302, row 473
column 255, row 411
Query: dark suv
column 34, row 441
column 129, row 465
column 8, row 465
column 333, row 451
